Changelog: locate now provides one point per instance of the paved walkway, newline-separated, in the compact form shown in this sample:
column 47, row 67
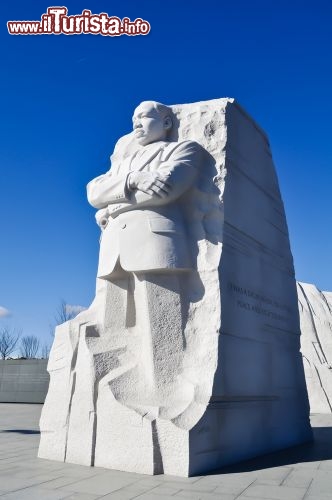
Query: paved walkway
column 304, row 472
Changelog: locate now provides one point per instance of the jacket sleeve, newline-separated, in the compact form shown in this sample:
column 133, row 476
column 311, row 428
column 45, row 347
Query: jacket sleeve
column 106, row 189
column 181, row 167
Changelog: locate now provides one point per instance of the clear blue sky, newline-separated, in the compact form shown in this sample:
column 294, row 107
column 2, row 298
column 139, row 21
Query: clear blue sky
column 66, row 100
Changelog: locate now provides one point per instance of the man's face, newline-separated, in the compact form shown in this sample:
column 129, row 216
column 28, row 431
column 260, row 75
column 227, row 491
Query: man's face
column 148, row 125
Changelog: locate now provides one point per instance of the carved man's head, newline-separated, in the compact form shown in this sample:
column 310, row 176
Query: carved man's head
column 152, row 122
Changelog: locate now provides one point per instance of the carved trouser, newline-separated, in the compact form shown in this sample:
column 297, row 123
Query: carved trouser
column 138, row 355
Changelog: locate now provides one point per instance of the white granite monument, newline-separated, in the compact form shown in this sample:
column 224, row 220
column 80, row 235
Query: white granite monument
column 315, row 309
column 189, row 357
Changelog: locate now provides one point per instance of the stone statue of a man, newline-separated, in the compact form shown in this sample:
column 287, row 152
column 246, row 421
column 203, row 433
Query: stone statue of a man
column 144, row 252
column 188, row 358
column 140, row 199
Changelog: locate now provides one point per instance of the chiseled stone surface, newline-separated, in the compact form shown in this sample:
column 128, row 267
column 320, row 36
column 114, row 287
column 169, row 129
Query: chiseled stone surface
column 183, row 372
column 315, row 309
column 300, row 472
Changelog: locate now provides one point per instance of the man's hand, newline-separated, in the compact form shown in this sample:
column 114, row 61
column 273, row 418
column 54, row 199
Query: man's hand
column 150, row 183
column 102, row 217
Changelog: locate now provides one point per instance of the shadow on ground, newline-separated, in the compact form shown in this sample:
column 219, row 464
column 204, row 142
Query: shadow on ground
column 21, row 431
column 315, row 451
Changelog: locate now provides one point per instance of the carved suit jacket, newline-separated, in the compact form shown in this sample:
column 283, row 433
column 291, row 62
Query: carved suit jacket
column 146, row 232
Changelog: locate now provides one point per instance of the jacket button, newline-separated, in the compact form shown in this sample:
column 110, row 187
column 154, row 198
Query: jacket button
column 123, row 226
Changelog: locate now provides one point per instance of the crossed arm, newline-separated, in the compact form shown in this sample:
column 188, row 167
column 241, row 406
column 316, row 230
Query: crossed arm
column 142, row 189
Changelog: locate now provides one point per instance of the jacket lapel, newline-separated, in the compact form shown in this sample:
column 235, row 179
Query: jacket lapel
column 148, row 154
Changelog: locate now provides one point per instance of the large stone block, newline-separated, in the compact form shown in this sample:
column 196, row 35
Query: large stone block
column 183, row 372
column 315, row 309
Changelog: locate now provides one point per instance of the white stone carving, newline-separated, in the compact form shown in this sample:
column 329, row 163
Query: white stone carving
column 315, row 309
column 188, row 359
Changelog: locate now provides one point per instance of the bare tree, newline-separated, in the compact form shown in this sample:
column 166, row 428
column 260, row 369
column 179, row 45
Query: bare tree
column 45, row 351
column 63, row 313
column 29, row 347
column 8, row 341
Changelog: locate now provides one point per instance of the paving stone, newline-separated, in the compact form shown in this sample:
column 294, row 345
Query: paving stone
column 51, row 466
column 318, row 497
column 165, row 489
column 151, row 481
column 38, row 475
column 232, row 488
column 82, row 496
column 268, row 482
column 98, row 485
column 13, row 483
column 256, row 497
column 307, row 465
column 58, row 482
column 326, row 465
column 80, row 471
column 11, row 470
column 192, row 495
column 275, row 473
column 136, row 489
column 25, row 477
column 123, row 494
column 178, row 479
column 217, row 479
column 128, row 492
column 298, row 479
column 152, row 496
column 200, row 487
column 34, row 494
column 321, row 486
column 10, row 461
column 273, row 492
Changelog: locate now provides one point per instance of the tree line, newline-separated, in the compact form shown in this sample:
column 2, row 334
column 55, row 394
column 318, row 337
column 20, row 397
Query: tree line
column 29, row 346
